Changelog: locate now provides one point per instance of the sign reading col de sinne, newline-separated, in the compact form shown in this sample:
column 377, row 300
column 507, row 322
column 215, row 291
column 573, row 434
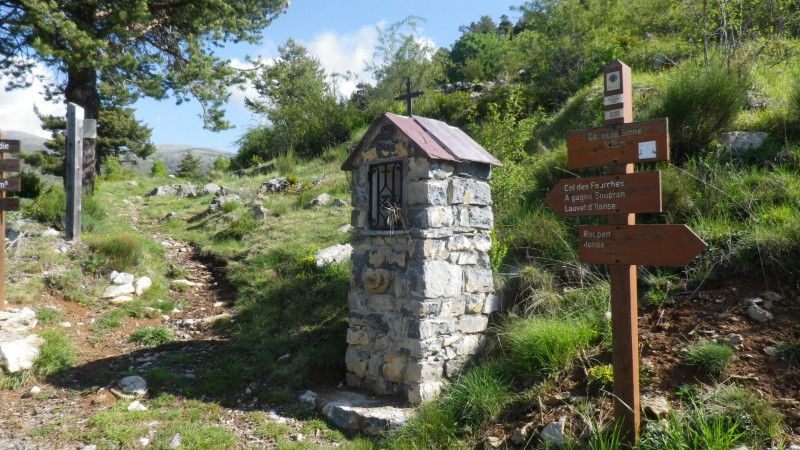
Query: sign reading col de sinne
column 634, row 142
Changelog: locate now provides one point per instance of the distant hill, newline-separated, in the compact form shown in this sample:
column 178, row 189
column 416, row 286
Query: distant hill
column 30, row 142
column 172, row 154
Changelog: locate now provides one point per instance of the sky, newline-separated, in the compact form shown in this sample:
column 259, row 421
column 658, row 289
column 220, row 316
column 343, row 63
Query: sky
column 341, row 33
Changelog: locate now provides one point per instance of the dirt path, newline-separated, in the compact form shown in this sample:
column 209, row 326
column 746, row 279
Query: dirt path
column 60, row 415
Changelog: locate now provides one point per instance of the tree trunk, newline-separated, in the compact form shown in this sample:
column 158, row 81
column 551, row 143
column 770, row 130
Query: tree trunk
column 82, row 90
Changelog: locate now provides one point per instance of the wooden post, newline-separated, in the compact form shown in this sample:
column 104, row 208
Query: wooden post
column 617, row 109
column 74, row 169
column 3, row 236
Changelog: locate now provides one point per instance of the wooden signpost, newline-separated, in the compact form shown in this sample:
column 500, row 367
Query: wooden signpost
column 622, row 244
column 6, row 204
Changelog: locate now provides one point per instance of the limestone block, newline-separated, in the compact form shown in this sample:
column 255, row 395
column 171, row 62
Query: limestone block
column 425, row 193
column 452, row 339
column 357, row 300
column 358, row 217
column 430, row 249
column 357, row 337
column 742, row 141
column 469, row 192
column 361, row 176
column 482, row 242
column 484, row 260
column 424, row 168
column 415, row 348
column 475, row 303
column 381, row 303
column 378, row 385
column 481, row 217
column 425, row 392
column 430, row 328
column 453, row 367
column 20, row 353
column 492, row 304
column 393, row 372
column 374, row 366
column 430, row 233
column 462, row 217
column 387, row 257
column 356, row 361
column 472, row 323
column 353, row 380
column 382, row 343
column 427, row 370
column 17, row 320
column 474, row 170
column 377, row 281
column 400, row 289
column 469, row 345
column 431, row 279
column 453, row 307
column 421, row 309
column 431, row 217
column 478, row 280
column 458, row 243
column 467, row 258
column 115, row 290
column 371, row 320
column 360, row 196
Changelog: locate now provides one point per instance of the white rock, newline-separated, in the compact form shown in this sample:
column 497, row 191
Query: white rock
column 142, row 285
column 65, row 325
column 320, row 200
column 734, row 340
column 758, row 314
column 218, row 304
column 121, row 277
column 339, row 253
column 34, row 390
column 50, row 232
column 345, row 228
column 133, row 385
column 121, row 299
column 144, row 442
column 308, row 398
column 210, row 188
column 136, row 406
column 17, row 320
column 740, row 141
column 116, row 290
column 176, row 441
column 553, row 433
column 19, row 354
column 186, row 283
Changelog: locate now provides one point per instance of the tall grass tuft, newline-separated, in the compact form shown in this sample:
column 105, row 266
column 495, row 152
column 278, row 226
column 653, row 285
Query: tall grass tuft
column 124, row 251
column 708, row 358
column 56, row 354
column 539, row 347
column 700, row 101
column 697, row 429
column 480, row 394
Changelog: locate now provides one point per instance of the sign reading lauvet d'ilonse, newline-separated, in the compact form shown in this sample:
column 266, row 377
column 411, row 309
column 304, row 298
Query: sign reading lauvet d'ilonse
column 615, row 194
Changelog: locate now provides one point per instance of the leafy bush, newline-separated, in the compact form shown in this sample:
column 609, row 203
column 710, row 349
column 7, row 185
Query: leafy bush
column 539, row 347
column 708, row 358
column 790, row 351
column 114, row 171
column 30, row 184
column 700, row 101
column 159, row 169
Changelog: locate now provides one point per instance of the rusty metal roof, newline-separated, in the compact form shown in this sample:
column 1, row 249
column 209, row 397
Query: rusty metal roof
column 436, row 139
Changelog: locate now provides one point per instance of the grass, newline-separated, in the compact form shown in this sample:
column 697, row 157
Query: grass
column 121, row 251
column 56, row 354
column 708, row 358
column 539, row 347
column 152, row 336
column 790, row 351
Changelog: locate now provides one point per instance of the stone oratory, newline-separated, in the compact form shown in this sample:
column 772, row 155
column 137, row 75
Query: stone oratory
column 422, row 288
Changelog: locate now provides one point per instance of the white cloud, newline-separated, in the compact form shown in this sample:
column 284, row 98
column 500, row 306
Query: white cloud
column 346, row 53
column 16, row 107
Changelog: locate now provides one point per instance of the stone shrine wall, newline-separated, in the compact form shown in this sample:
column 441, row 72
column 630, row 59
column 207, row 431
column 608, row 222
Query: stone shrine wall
column 421, row 295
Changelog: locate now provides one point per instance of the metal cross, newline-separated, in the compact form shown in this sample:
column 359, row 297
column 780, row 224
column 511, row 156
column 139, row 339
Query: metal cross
column 408, row 96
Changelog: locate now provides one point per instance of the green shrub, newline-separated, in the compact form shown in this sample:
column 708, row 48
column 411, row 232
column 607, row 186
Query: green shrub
column 708, row 358
column 30, row 184
column 697, row 429
column 159, row 169
column 92, row 213
column 48, row 316
column 286, row 163
column 49, row 208
column 56, row 354
column 790, row 351
column 242, row 226
column 222, row 164
column 114, row 171
column 124, row 251
column 700, row 101
column 480, row 395
column 755, row 417
column 539, row 347
column 152, row 336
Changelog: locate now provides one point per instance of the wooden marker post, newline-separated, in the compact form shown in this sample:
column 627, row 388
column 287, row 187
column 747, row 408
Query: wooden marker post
column 7, row 146
column 618, row 108
column 622, row 244
column 74, row 171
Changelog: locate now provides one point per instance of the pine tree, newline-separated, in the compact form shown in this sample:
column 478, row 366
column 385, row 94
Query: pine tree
column 189, row 167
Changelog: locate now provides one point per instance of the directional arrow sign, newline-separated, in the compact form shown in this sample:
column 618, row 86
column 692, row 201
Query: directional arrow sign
column 9, row 165
column 626, row 143
column 9, row 204
column 9, row 145
column 647, row 245
column 615, row 194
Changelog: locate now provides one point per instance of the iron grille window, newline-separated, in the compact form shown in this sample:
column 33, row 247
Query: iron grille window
column 385, row 196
